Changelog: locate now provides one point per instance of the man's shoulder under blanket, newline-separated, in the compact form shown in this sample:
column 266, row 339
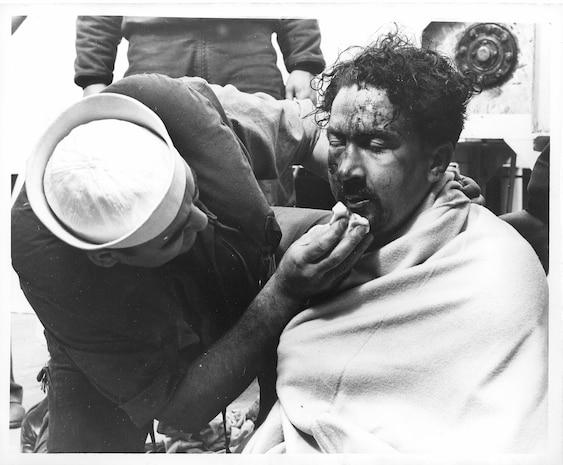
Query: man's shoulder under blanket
column 497, row 260
column 488, row 235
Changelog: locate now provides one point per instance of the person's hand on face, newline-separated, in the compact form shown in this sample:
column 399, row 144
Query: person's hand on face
column 321, row 258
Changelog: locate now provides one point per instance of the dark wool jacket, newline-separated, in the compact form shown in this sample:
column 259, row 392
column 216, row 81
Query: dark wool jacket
column 222, row 51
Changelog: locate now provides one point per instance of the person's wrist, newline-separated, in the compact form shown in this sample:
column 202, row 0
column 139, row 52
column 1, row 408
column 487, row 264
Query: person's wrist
column 287, row 298
column 93, row 89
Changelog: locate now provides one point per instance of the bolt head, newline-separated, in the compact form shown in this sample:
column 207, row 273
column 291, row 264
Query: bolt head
column 483, row 53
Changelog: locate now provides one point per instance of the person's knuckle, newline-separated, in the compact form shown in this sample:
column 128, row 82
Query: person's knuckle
column 334, row 260
column 323, row 244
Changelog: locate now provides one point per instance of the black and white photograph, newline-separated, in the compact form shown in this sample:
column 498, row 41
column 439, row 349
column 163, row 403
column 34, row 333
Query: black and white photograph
column 263, row 232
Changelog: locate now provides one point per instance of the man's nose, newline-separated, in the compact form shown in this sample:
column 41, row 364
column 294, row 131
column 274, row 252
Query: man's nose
column 351, row 163
column 199, row 219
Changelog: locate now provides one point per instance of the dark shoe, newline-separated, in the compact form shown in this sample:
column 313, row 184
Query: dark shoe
column 17, row 412
column 34, row 429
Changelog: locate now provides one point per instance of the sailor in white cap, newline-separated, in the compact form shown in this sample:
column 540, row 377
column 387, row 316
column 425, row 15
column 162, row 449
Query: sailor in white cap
column 153, row 306
column 112, row 184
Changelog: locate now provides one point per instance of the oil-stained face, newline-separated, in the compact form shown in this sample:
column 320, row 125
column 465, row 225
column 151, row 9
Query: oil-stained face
column 377, row 166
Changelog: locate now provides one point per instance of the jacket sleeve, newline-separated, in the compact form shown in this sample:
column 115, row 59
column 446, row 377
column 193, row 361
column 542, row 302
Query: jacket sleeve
column 276, row 133
column 300, row 44
column 538, row 188
column 97, row 38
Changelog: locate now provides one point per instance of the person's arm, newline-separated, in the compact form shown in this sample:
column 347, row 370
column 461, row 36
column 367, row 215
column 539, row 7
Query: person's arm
column 313, row 264
column 97, row 38
column 276, row 133
column 317, row 161
column 300, row 44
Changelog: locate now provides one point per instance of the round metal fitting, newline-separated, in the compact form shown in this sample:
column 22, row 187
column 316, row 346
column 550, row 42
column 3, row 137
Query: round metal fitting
column 489, row 50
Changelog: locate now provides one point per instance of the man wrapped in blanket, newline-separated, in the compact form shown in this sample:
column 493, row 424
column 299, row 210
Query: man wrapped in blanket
column 436, row 341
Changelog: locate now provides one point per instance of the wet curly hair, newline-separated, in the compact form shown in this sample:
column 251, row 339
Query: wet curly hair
column 424, row 86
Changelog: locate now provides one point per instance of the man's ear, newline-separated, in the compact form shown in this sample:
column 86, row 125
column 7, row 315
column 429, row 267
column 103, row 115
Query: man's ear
column 440, row 158
column 105, row 258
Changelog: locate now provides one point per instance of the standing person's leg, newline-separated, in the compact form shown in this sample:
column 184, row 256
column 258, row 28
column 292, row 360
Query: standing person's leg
column 81, row 419
column 17, row 412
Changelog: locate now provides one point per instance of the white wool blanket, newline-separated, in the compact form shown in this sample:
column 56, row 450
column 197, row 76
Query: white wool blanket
column 438, row 344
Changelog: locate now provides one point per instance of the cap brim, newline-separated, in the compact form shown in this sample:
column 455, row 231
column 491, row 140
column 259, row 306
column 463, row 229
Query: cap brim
column 93, row 108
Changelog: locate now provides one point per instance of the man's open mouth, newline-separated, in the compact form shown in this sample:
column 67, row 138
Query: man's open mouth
column 355, row 203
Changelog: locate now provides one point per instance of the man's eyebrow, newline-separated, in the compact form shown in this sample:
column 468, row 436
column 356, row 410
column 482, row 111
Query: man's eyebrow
column 332, row 130
column 379, row 133
column 363, row 133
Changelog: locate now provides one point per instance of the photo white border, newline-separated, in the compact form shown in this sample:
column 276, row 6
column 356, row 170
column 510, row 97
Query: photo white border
column 504, row 11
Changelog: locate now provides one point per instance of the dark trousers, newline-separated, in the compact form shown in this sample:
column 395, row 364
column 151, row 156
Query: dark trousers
column 80, row 418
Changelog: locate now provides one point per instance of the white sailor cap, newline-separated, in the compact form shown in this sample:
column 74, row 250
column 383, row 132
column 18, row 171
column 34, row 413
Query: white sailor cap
column 105, row 174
